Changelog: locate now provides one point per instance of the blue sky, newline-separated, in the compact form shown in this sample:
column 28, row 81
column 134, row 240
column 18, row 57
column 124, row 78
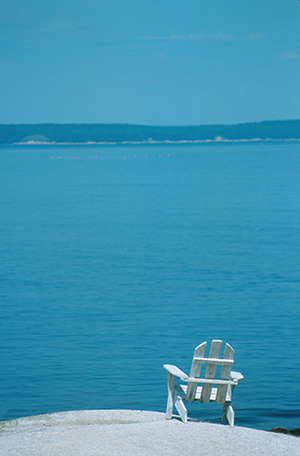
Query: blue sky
column 155, row 62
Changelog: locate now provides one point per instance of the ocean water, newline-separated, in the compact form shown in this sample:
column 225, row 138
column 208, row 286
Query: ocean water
column 116, row 260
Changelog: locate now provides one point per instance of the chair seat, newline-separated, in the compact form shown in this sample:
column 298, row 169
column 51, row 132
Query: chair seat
column 182, row 389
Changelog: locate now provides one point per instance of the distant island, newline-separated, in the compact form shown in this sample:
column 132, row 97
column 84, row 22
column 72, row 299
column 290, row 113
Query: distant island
column 281, row 130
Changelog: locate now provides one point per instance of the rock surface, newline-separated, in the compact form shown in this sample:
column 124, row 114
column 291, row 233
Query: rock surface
column 280, row 430
column 134, row 433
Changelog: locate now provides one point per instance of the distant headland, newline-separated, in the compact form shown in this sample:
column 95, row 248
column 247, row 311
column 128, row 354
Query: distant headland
column 281, row 130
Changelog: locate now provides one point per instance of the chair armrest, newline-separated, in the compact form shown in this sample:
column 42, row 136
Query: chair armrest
column 236, row 376
column 173, row 370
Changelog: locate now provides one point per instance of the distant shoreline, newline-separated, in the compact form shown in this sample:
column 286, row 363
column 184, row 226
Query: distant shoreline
column 146, row 143
column 129, row 134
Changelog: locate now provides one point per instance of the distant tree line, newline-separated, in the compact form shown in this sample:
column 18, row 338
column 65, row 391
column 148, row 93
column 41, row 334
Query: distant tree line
column 82, row 133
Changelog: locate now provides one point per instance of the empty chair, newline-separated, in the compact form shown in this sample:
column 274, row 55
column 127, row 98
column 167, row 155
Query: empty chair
column 215, row 385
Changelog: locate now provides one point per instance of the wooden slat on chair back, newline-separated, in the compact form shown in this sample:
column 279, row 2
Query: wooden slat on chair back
column 195, row 371
column 225, row 375
column 210, row 371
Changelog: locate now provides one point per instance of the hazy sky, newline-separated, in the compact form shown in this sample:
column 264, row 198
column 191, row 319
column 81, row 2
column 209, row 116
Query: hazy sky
column 157, row 62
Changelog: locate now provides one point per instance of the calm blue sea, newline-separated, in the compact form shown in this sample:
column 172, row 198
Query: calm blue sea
column 116, row 260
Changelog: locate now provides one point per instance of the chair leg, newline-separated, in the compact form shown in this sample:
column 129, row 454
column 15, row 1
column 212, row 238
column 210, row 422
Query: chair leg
column 171, row 395
column 224, row 416
column 181, row 409
column 228, row 414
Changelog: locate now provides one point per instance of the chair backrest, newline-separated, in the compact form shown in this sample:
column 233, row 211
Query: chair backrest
column 210, row 363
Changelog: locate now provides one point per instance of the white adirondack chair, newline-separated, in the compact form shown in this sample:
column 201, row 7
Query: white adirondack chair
column 213, row 387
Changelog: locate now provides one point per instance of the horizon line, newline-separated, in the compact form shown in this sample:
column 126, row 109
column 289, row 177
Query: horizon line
column 151, row 125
